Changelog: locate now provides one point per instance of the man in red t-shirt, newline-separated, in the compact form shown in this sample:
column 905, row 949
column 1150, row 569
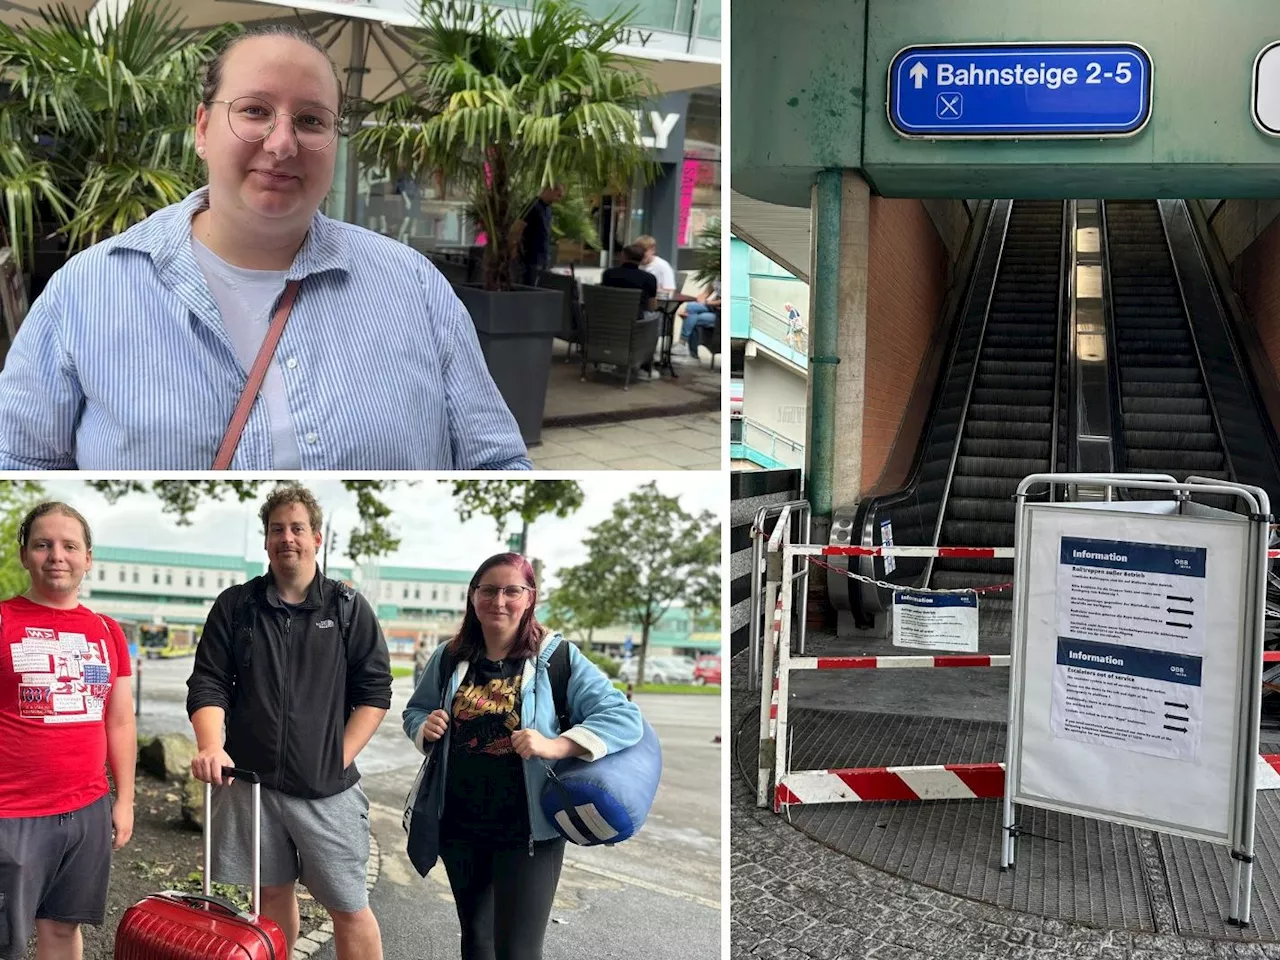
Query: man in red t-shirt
column 66, row 710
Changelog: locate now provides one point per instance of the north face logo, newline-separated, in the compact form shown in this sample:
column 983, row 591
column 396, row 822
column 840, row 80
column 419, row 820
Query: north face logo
column 324, row 623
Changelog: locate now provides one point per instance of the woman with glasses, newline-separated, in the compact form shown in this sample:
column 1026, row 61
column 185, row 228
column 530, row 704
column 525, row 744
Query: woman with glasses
column 486, row 700
column 139, row 353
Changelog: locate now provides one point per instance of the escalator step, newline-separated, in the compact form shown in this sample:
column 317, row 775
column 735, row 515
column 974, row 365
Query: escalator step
column 974, row 533
column 1017, row 415
column 990, row 488
column 1151, row 390
column 966, row 508
column 1170, row 405
column 988, row 395
column 1007, row 430
column 1179, row 462
column 1031, row 368
column 1168, row 423
column 1016, row 467
column 1206, row 441
column 1024, row 449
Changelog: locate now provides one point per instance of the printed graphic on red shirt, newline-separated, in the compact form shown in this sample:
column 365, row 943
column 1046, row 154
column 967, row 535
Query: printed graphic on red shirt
column 57, row 668
column 64, row 677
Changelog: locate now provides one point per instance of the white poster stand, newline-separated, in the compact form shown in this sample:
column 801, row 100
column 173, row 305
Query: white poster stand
column 1135, row 684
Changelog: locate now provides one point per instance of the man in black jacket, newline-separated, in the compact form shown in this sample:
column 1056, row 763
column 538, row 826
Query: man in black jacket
column 295, row 666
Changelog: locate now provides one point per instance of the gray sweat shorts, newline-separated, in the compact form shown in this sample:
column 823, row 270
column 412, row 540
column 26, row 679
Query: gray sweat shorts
column 324, row 843
column 53, row 868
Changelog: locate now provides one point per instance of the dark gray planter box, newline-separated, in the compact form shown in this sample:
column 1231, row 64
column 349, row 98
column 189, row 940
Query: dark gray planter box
column 515, row 328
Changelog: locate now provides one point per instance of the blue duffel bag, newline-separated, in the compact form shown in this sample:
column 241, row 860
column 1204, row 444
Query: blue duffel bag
column 608, row 800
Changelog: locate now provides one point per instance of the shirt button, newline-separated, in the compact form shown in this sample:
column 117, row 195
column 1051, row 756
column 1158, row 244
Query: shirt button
column 291, row 362
column 312, row 438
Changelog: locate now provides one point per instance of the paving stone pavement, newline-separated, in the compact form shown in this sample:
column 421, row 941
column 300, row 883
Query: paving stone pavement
column 791, row 898
column 686, row 442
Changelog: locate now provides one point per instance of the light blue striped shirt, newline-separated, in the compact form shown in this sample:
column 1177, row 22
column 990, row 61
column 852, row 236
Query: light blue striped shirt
column 123, row 362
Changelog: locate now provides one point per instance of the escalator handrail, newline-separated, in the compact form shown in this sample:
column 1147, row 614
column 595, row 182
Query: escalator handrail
column 1195, row 344
column 866, row 523
column 1064, row 281
column 968, row 393
column 1119, row 456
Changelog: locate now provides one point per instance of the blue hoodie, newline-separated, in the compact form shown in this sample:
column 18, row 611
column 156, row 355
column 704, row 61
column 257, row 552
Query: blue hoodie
column 603, row 720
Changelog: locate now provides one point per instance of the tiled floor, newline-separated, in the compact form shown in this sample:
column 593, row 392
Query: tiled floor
column 687, row 442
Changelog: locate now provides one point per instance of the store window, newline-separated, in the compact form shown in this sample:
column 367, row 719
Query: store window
column 701, row 189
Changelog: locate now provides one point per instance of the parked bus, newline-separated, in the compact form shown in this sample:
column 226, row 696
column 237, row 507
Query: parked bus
column 167, row 640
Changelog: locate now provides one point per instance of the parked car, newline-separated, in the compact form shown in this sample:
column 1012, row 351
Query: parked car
column 707, row 670
column 657, row 670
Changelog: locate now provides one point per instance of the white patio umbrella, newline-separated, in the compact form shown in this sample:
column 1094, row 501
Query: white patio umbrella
column 370, row 40
column 14, row 13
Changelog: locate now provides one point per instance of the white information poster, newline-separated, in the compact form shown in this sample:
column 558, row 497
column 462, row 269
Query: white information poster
column 1130, row 645
column 932, row 621
column 886, row 540
column 1128, row 656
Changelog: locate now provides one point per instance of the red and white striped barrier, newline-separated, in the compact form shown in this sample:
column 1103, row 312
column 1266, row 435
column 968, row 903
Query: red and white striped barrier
column 912, row 661
column 951, row 781
column 915, row 661
column 950, row 553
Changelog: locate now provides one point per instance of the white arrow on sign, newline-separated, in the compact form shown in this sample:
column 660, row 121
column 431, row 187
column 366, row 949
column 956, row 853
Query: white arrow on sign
column 918, row 74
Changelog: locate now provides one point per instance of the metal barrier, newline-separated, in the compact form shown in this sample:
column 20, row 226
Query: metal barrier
column 783, row 512
column 780, row 786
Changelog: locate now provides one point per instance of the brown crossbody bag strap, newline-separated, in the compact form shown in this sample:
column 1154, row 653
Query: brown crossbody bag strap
column 231, row 438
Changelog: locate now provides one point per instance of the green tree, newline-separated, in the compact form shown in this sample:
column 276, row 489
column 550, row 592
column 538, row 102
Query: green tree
column 578, row 606
column 99, row 126
column 651, row 554
column 17, row 497
column 527, row 499
column 371, row 537
column 504, row 113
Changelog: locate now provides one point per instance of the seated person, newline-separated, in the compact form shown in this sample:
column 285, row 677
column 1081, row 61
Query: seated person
column 629, row 275
column 703, row 312
column 652, row 263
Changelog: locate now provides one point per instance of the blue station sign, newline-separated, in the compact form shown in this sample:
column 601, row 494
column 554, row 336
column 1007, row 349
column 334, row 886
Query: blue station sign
column 1007, row 91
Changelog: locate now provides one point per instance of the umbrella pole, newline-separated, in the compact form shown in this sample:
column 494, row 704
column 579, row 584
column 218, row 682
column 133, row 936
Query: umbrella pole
column 355, row 82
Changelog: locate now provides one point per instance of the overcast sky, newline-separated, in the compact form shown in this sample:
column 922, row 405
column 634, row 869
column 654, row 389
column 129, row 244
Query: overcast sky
column 423, row 516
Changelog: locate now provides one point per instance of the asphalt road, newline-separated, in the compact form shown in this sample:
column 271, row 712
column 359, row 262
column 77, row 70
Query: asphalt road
column 655, row 896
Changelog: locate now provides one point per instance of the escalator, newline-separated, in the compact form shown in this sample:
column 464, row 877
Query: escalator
column 991, row 420
column 1168, row 421
column 1008, row 429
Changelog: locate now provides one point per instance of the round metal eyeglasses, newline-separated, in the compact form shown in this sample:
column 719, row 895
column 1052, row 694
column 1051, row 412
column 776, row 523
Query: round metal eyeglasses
column 252, row 119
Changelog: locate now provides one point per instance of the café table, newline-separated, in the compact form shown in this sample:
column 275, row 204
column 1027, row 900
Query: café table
column 668, row 305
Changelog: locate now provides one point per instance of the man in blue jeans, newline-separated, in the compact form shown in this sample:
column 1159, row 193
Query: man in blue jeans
column 700, row 314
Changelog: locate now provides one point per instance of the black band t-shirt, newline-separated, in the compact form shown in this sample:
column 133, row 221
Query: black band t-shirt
column 484, row 793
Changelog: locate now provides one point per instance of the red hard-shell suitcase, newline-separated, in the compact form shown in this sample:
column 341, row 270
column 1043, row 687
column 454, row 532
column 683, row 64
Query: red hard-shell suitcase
column 179, row 926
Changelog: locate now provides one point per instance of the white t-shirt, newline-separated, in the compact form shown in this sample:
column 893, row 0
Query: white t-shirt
column 662, row 270
column 245, row 298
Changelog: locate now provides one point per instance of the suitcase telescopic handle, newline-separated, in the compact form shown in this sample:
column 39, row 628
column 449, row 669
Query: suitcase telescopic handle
column 256, row 889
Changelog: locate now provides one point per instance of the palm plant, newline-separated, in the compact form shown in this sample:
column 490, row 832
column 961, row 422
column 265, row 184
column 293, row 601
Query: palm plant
column 707, row 252
column 503, row 111
column 98, row 124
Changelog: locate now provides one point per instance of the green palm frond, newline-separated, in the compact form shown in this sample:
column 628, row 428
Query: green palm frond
column 108, row 114
column 503, row 110
column 707, row 252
